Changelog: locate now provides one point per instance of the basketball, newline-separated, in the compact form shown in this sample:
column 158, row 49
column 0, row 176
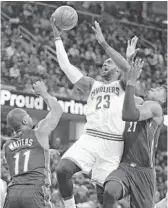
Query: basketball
column 66, row 17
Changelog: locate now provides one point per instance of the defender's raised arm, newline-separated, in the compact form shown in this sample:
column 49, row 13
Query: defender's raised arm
column 118, row 59
column 47, row 125
column 151, row 108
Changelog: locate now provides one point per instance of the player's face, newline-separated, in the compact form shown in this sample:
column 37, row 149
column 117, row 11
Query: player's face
column 157, row 94
column 109, row 68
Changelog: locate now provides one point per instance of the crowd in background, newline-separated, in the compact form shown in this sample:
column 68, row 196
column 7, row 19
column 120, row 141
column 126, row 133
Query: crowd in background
column 22, row 63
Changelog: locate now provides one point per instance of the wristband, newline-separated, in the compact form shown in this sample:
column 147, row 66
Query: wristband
column 130, row 84
column 57, row 38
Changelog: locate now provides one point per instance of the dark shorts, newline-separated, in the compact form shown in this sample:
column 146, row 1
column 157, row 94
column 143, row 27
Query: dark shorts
column 138, row 182
column 27, row 196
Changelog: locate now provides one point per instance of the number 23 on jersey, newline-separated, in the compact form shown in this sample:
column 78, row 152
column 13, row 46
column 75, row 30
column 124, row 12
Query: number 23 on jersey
column 103, row 102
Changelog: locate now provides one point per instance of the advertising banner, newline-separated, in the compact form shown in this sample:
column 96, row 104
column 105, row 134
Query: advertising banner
column 30, row 101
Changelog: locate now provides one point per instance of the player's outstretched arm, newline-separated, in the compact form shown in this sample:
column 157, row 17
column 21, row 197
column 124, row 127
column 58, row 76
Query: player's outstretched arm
column 130, row 54
column 82, row 82
column 118, row 59
column 131, row 112
column 47, row 125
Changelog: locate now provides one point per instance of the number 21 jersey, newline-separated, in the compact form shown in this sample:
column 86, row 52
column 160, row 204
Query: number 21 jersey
column 27, row 160
column 140, row 142
column 104, row 108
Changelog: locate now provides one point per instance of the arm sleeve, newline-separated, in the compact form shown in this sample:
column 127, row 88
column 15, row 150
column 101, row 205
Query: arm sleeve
column 73, row 74
column 130, row 112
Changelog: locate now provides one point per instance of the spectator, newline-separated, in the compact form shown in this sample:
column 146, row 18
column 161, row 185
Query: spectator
column 14, row 72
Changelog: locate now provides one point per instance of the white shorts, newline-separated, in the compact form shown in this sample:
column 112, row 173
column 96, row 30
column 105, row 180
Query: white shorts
column 96, row 155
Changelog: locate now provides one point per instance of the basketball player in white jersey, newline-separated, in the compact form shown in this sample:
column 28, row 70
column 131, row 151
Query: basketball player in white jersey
column 100, row 148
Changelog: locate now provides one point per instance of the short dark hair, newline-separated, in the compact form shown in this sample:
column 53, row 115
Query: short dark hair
column 15, row 118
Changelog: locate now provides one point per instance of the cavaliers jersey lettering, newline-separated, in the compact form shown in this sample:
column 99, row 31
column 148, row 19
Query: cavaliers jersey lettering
column 105, row 89
column 104, row 109
column 140, row 142
column 27, row 160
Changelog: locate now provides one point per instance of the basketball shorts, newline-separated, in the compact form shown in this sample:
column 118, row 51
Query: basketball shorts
column 96, row 156
column 138, row 182
column 27, row 196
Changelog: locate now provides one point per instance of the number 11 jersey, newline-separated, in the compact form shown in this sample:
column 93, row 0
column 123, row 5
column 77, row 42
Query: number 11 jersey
column 104, row 108
column 27, row 160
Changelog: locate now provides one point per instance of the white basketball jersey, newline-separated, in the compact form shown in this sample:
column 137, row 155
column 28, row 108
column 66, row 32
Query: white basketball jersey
column 104, row 108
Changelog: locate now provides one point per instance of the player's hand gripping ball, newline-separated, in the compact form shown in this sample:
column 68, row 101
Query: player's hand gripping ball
column 65, row 17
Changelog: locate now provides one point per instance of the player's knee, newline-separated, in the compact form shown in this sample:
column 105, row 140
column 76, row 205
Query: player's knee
column 62, row 172
column 65, row 170
column 112, row 190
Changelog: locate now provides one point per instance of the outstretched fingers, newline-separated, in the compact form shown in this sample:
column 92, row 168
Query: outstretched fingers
column 129, row 43
column 94, row 29
column 97, row 26
column 134, row 41
column 138, row 64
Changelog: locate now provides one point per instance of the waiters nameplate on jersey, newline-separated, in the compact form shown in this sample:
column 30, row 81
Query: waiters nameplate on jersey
column 25, row 142
column 104, row 89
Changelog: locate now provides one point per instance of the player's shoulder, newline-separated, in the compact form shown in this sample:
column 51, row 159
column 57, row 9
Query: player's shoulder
column 6, row 144
column 88, row 79
column 36, row 126
column 121, row 84
column 156, row 109
column 153, row 105
column 97, row 84
column 41, row 138
column 138, row 100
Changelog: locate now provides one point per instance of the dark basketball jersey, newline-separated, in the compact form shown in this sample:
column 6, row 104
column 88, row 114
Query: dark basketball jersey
column 27, row 160
column 140, row 142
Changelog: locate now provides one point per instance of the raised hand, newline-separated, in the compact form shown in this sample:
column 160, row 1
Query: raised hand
column 131, row 49
column 56, row 30
column 135, row 70
column 98, row 32
column 39, row 88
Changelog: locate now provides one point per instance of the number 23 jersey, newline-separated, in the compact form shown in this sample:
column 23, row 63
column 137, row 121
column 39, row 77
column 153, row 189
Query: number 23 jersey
column 27, row 160
column 104, row 108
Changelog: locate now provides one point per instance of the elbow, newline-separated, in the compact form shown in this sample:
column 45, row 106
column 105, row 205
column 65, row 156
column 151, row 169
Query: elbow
column 58, row 109
column 125, row 69
column 126, row 116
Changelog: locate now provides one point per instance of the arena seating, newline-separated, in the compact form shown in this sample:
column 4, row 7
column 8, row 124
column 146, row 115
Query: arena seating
column 20, row 60
column 22, row 63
